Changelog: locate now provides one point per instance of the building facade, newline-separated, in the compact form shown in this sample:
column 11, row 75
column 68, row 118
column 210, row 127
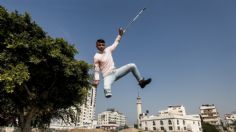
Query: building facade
column 174, row 110
column 111, row 119
column 230, row 119
column 174, row 119
column 209, row 114
column 86, row 115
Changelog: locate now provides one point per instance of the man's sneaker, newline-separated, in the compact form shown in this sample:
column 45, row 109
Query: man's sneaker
column 143, row 83
column 107, row 93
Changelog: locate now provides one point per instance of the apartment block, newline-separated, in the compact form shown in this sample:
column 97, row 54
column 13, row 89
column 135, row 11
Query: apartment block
column 86, row 115
column 230, row 119
column 111, row 119
column 209, row 114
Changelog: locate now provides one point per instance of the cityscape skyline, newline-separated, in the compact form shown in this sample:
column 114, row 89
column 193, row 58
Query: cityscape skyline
column 187, row 47
column 221, row 115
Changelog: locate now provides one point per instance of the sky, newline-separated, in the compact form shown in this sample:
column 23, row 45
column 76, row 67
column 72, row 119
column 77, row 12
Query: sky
column 187, row 47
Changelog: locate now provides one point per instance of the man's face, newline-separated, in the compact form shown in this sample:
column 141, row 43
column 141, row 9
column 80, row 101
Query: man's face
column 100, row 46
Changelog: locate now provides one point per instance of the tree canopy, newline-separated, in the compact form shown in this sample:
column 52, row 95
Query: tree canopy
column 39, row 75
column 209, row 128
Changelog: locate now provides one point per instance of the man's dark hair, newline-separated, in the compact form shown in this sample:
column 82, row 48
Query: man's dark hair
column 100, row 41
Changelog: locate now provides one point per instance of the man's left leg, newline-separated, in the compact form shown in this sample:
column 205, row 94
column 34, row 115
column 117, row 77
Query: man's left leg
column 122, row 71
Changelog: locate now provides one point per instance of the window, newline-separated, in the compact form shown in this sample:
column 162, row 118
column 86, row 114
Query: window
column 177, row 122
column 184, row 128
column 178, row 128
column 162, row 128
column 161, row 122
column 146, row 128
column 154, row 128
column 184, row 122
column 169, row 121
column 210, row 114
column 153, row 123
column 170, row 128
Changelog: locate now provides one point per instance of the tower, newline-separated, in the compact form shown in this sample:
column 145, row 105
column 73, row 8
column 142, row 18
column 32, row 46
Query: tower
column 87, row 113
column 139, row 110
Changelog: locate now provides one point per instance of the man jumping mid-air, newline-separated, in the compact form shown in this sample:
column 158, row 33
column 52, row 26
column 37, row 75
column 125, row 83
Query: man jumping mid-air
column 103, row 61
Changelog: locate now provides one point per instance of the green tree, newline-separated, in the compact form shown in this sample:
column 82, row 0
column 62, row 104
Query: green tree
column 208, row 127
column 39, row 76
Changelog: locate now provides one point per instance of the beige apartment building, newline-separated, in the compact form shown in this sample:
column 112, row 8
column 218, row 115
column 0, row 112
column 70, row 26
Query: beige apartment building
column 209, row 114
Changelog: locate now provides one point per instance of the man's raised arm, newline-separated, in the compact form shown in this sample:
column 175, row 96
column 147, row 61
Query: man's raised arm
column 117, row 40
